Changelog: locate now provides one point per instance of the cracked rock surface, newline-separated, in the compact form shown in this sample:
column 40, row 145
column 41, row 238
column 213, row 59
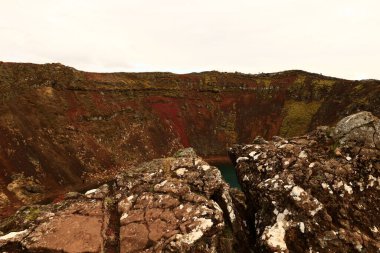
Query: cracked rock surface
column 177, row 204
column 315, row 193
column 362, row 128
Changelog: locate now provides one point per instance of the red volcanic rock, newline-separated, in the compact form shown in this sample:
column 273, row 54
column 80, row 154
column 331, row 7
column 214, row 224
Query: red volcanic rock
column 134, row 237
column 70, row 129
column 317, row 192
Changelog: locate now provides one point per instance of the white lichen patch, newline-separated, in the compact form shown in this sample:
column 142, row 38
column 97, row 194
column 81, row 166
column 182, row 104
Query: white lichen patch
column 124, row 216
column 205, row 167
column 288, row 186
column 228, row 202
column 302, row 227
column 302, row 154
column 319, row 207
column 348, row 189
column 327, row 187
column 374, row 229
column 197, row 161
column 215, row 205
column 372, row 180
column 91, row 191
column 296, row 193
column 260, row 168
column 231, row 213
column 255, row 156
column 359, row 247
column 246, row 147
column 337, row 184
column 305, row 200
column 195, row 234
column 161, row 184
column 361, row 187
column 274, row 236
column 181, row 171
column 241, row 159
column 14, row 235
column 125, row 204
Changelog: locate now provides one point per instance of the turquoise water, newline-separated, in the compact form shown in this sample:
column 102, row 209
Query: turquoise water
column 229, row 174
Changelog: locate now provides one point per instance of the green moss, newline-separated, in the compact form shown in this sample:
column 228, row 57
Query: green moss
column 323, row 83
column 359, row 86
column 109, row 201
column 209, row 79
column 322, row 86
column 32, row 214
column 298, row 116
column 306, row 88
column 300, row 80
column 265, row 81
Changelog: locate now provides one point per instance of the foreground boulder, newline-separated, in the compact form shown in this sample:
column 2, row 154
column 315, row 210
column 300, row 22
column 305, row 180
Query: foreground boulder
column 315, row 193
column 177, row 204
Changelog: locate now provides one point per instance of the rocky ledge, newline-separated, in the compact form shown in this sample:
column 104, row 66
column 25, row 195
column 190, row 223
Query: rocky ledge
column 177, row 204
column 315, row 193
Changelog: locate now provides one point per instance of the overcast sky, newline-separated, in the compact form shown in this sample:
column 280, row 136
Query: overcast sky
column 333, row 37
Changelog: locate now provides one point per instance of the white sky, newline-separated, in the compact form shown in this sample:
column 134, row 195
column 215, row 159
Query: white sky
column 333, row 37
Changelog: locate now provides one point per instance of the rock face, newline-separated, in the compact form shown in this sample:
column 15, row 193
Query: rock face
column 362, row 129
column 177, row 204
column 71, row 129
column 316, row 193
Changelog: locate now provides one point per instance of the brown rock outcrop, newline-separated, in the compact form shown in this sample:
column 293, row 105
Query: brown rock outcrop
column 314, row 193
column 177, row 204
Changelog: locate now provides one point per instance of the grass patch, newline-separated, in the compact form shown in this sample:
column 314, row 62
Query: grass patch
column 32, row 214
column 298, row 116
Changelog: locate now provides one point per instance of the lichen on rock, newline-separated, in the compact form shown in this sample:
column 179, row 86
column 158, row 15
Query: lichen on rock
column 174, row 204
column 318, row 192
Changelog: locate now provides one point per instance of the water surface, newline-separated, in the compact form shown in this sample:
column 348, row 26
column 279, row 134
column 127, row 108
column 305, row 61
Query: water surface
column 229, row 174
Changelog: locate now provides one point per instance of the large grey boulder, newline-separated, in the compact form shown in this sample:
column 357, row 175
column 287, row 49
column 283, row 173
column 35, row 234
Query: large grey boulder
column 362, row 128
